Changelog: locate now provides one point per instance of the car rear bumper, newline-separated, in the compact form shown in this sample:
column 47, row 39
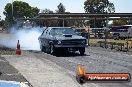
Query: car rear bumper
column 70, row 46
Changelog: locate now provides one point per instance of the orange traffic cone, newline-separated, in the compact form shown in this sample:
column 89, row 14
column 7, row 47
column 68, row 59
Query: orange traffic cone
column 18, row 50
column 81, row 69
column 80, row 75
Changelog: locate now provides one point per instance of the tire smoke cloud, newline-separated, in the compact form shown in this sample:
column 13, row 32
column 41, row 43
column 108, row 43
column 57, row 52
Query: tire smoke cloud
column 28, row 38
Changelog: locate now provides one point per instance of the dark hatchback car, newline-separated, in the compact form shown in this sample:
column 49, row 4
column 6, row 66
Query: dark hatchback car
column 58, row 39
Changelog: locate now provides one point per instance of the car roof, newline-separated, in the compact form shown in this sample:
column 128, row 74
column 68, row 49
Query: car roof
column 59, row 27
column 49, row 28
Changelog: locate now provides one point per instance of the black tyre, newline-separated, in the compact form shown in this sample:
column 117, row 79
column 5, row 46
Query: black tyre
column 42, row 48
column 52, row 49
column 82, row 50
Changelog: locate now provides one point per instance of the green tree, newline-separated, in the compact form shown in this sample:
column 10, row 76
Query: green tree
column 47, row 11
column 98, row 6
column 20, row 10
column 61, row 9
column 48, row 22
column 3, row 24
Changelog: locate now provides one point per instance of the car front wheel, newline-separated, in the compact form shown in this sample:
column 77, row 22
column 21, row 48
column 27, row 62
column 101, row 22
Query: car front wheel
column 82, row 50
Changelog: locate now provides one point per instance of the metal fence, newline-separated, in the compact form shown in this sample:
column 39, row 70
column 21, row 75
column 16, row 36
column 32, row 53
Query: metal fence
column 101, row 37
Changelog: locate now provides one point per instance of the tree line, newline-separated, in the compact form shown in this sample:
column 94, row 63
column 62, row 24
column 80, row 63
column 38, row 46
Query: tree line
column 24, row 10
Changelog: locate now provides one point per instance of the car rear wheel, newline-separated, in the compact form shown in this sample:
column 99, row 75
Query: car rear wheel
column 42, row 48
column 52, row 49
column 82, row 50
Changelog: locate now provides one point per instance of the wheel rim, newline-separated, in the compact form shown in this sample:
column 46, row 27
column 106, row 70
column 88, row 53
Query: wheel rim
column 51, row 49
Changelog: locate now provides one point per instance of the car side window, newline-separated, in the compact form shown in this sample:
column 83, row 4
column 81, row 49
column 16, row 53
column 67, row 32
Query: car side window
column 46, row 32
column 52, row 32
column 43, row 31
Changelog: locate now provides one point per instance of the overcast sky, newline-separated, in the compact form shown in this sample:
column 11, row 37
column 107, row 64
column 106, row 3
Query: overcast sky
column 73, row 6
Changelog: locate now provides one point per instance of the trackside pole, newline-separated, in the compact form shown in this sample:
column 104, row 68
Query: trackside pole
column 18, row 50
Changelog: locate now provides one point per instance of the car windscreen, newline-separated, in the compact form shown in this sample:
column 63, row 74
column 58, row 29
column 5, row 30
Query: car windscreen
column 61, row 31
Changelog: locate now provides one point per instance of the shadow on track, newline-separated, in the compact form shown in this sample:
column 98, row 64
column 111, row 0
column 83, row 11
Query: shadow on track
column 69, row 54
column 62, row 54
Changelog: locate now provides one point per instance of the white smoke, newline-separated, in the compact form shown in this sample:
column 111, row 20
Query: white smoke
column 28, row 38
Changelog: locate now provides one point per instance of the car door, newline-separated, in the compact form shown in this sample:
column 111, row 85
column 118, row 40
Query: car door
column 42, row 38
column 47, row 38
